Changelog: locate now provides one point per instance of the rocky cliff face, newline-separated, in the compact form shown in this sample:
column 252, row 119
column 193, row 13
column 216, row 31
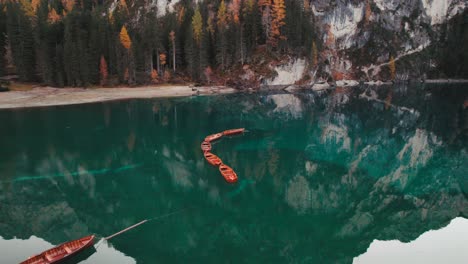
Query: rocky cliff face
column 361, row 37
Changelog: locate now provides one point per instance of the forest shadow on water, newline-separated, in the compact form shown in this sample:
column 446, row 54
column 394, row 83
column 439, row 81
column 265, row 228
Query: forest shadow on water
column 321, row 174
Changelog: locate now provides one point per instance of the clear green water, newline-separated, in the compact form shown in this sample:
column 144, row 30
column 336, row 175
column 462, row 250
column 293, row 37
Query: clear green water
column 321, row 175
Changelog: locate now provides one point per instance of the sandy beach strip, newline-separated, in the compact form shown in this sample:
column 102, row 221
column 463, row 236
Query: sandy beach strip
column 48, row 96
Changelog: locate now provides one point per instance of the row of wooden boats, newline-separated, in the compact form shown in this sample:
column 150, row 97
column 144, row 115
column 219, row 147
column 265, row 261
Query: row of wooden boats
column 66, row 250
column 227, row 172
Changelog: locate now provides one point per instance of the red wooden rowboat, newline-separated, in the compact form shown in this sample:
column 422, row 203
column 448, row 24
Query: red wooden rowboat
column 213, row 159
column 232, row 132
column 205, row 146
column 61, row 252
column 213, row 137
column 228, row 173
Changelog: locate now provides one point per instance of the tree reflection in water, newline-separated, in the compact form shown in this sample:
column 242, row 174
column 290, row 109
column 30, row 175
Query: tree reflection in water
column 321, row 174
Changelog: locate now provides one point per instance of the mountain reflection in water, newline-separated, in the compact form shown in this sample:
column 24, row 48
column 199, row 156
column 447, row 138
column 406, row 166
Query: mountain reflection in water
column 321, row 174
column 446, row 245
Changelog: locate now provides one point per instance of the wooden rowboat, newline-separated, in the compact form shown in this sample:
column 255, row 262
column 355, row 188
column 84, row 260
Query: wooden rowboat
column 213, row 159
column 205, row 146
column 61, row 252
column 232, row 132
column 228, row 173
column 213, row 137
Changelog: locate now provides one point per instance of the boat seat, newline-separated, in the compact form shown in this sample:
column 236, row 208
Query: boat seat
column 49, row 257
column 68, row 250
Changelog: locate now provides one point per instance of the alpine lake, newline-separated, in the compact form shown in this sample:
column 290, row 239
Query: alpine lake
column 323, row 177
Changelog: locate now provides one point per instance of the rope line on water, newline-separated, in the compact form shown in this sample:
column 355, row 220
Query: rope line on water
column 140, row 223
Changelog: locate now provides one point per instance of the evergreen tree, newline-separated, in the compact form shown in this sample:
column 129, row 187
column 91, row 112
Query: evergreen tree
column 172, row 38
column 20, row 35
column 222, row 35
column 252, row 26
column 2, row 39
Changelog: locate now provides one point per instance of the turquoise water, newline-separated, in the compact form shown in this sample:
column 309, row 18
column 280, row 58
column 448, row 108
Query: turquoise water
column 321, row 175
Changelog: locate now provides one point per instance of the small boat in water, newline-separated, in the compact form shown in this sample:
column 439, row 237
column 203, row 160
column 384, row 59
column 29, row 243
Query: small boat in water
column 61, row 252
column 213, row 137
column 213, row 159
column 228, row 173
column 232, row 132
column 205, row 146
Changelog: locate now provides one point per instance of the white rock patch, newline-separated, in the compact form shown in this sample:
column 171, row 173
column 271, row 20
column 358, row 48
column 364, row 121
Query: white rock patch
column 287, row 104
column 343, row 25
column 289, row 73
column 436, row 10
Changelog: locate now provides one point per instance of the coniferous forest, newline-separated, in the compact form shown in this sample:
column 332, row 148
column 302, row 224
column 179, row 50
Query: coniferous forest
column 95, row 42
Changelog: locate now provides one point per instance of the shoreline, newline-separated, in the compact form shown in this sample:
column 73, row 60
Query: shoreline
column 49, row 96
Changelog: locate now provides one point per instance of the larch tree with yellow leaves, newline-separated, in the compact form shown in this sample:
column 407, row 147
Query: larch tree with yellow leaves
column 127, row 63
column 277, row 23
column 125, row 38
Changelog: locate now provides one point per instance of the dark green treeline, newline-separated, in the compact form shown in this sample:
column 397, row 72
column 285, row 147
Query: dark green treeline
column 81, row 43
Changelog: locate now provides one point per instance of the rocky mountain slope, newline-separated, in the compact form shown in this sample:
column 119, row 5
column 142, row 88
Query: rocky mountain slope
column 361, row 37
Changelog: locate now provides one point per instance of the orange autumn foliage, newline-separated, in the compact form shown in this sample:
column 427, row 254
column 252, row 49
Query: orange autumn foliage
column 28, row 9
column 162, row 58
column 180, row 14
column 68, row 5
column 197, row 26
column 123, row 4
column 278, row 16
column 103, row 70
column 35, row 4
column 125, row 38
column 154, row 75
column 234, row 8
column 222, row 15
column 367, row 12
column 53, row 17
column 306, row 5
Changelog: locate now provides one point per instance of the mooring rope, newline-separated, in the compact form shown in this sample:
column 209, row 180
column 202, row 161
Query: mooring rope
column 140, row 223
column 126, row 229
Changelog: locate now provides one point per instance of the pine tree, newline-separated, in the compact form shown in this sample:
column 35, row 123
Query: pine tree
column 266, row 10
column 172, row 38
column 238, row 30
column 20, row 35
column 252, row 30
column 3, row 41
column 43, row 38
column 222, row 38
